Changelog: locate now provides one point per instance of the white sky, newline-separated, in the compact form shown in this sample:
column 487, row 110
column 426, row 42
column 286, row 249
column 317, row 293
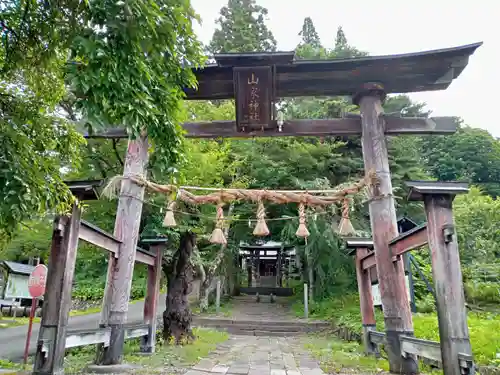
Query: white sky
column 396, row 26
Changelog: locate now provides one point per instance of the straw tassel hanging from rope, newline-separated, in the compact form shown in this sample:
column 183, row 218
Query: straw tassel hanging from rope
column 261, row 228
column 345, row 226
column 218, row 235
column 169, row 221
column 302, row 229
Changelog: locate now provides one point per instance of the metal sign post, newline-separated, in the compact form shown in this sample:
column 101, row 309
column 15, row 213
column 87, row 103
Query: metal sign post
column 36, row 287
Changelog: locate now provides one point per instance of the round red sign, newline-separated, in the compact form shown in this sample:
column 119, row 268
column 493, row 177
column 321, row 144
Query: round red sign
column 37, row 281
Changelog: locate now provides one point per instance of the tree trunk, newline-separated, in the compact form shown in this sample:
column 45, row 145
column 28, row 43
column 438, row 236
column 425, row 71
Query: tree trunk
column 177, row 316
column 204, row 292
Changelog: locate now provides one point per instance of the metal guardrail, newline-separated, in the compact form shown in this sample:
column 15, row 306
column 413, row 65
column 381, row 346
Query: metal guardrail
column 83, row 337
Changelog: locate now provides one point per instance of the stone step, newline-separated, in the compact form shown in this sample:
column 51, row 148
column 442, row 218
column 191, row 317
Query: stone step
column 288, row 324
column 248, row 332
column 257, row 327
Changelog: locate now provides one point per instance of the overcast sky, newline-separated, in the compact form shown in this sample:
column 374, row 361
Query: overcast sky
column 395, row 26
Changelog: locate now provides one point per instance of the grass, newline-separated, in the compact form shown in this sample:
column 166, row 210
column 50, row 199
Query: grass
column 15, row 367
column 166, row 356
column 484, row 327
column 338, row 356
column 226, row 308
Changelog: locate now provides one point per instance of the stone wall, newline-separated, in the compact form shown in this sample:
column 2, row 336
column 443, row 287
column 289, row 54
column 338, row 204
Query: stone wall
column 194, row 296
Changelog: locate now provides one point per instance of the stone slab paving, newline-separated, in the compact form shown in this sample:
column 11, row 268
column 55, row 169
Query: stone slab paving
column 245, row 308
column 252, row 355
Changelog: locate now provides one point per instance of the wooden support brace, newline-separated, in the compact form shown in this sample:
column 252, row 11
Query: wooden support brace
column 411, row 240
column 57, row 299
column 96, row 236
column 145, row 257
column 151, row 300
column 365, row 301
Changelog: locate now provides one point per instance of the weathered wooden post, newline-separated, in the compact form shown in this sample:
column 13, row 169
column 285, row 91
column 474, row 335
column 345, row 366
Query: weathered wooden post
column 152, row 294
column 360, row 248
column 278, row 267
column 119, row 281
column 397, row 313
column 57, row 299
column 446, row 270
column 257, row 268
column 365, row 300
column 252, row 269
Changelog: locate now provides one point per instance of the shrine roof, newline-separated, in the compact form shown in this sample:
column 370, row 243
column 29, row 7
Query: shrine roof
column 270, row 245
column 420, row 188
column 85, row 190
column 402, row 73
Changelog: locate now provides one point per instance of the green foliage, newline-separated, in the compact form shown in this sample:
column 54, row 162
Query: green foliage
column 110, row 63
column 477, row 217
column 470, row 154
column 309, row 34
column 343, row 49
column 242, row 28
column 484, row 328
column 32, row 239
column 93, row 290
column 131, row 61
column 338, row 357
column 325, row 253
column 35, row 146
column 165, row 355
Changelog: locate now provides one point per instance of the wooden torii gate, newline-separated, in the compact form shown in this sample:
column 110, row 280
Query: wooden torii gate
column 454, row 351
column 256, row 81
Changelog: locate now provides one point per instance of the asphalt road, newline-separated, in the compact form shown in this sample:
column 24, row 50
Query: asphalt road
column 13, row 340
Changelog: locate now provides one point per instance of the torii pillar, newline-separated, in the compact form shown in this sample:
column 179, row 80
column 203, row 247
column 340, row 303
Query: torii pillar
column 391, row 275
column 120, row 270
column 446, row 270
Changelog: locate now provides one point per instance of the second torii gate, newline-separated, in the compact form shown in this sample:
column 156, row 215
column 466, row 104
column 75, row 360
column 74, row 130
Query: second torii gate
column 256, row 81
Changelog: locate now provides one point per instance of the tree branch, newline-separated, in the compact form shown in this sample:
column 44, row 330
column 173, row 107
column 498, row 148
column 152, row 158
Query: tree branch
column 69, row 110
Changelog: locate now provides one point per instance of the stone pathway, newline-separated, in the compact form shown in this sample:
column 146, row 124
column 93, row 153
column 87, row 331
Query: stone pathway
column 251, row 355
column 246, row 308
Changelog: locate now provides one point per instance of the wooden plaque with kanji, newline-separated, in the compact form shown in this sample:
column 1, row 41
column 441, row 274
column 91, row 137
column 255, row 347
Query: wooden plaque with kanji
column 253, row 94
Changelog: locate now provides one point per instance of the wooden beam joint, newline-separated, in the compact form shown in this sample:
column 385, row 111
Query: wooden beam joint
column 96, row 236
column 410, row 240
